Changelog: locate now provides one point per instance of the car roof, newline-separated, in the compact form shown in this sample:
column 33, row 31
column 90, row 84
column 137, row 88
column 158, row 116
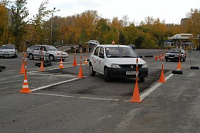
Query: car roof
column 115, row 45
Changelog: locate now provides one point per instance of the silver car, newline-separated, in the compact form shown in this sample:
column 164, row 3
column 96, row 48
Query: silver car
column 9, row 50
column 49, row 52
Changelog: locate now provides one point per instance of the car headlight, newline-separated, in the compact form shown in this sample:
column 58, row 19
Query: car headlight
column 144, row 65
column 166, row 55
column 115, row 66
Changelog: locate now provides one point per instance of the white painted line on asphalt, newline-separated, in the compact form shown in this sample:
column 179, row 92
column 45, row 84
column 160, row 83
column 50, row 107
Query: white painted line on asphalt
column 57, row 95
column 103, row 99
column 146, row 93
column 43, row 87
column 46, row 74
column 67, row 96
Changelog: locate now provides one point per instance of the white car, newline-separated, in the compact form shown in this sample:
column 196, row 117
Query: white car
column 9, row 50
column 49, row 52
column 116, row 61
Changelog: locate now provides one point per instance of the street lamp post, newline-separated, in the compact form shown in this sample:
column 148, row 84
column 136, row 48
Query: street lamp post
column 54, row 10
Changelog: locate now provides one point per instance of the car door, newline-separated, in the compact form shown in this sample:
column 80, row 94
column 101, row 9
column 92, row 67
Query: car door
column 94, row 58
column 36, row 51
column 43, row 52
column 101, row 60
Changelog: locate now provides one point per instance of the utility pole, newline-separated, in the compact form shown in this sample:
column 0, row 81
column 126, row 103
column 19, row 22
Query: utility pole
column 51, row 39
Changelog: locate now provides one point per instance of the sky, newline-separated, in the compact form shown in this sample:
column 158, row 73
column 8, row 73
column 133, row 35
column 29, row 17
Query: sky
column 172, row 11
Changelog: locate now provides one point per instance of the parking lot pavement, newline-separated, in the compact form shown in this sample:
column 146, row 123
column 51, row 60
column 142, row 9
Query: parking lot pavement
column 92, row 105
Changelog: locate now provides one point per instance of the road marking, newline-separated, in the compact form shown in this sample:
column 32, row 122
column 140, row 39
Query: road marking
column 103, row 99
column 43, row 87
column 46, row 74
column 67, row 96
column 146, row 93
column 57, row 95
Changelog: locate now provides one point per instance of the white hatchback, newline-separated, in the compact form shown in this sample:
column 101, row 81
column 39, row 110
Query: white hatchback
column 116, row 61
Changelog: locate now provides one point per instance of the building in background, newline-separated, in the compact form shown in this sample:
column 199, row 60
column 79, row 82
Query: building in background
column 182, row 40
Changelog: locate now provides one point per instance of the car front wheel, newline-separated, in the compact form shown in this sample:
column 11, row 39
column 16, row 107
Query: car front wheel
column 106, row 75
column 92, row 72
column 51, row 58
column 31, row 56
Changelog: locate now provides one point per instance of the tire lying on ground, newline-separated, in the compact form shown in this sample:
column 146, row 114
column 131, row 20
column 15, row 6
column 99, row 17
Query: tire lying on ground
column 177, row 72
column 39, row 64
column 148, row 56
column 194, row 67
column 2, row 67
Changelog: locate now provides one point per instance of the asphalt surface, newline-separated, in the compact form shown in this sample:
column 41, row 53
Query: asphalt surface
column 62, row 103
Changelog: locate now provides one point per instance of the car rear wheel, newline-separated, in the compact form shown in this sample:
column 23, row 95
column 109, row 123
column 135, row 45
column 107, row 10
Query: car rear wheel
column 106, row 75
column 92, row 72
column 31, row 57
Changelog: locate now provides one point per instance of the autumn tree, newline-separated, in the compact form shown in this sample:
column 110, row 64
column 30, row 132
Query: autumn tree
column 3, row 22
column 194, row 16
column 102, row 30
column 41, row 31
column 19, row 13
column 131, row 34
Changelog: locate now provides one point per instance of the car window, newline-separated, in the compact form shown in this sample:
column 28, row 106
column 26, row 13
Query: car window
column 43, row 48
column 122, row 52
column 96, row 51
column 101, row 52
column 37, row 48
column 51, row 48
column 8, row 46
column 174, row 51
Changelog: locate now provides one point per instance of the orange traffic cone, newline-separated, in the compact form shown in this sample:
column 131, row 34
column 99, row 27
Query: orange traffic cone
column 159, row 57
column 74, row 63
column 80, row 74
column 22, row 71
column 41, row 66
column 86, row 62
column 25, row 87
column 162, row 76
column 156, row 57
column 179, row 65
column 136, row 94
column 61, row 64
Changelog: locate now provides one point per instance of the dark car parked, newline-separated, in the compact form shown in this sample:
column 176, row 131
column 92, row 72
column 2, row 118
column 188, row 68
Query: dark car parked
column 174, row 54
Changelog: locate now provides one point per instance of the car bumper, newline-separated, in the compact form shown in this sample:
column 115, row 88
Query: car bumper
column 122, row 73
column 59, row 57
column 174, row 58
column 7, row 55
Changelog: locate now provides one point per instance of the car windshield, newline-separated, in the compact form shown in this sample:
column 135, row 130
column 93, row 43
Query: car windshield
column 174, row 51
column 120, row 52
column 9, row 46
column 51, row 48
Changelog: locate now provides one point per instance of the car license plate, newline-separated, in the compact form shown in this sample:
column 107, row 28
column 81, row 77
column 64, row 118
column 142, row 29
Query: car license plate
column 130, row 72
